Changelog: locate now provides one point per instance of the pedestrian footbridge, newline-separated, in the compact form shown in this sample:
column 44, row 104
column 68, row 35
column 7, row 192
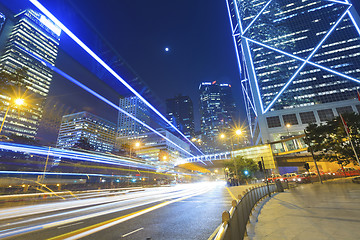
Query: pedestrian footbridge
column 284, row 152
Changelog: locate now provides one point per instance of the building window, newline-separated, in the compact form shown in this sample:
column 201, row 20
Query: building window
column 273, row 122
column 358, row 108
column 326, row 115
column 290, row 119
column 307, row 117
column 342, row 110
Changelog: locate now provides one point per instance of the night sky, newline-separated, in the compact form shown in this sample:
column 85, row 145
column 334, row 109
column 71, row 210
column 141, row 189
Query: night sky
column 197, row 33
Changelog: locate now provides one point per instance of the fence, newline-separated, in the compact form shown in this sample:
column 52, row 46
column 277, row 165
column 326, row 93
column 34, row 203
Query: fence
column 234, row 221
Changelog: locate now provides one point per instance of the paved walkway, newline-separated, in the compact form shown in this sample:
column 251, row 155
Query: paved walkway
column 236, row 190
column 310, row 211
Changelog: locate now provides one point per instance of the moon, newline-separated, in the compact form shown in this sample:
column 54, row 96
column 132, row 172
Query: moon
column 167, row 49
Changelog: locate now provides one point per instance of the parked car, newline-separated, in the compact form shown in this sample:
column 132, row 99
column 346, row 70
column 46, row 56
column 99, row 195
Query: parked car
column 307, row 177
column 290, row 177
column 303, row 178
column 348, row 172
column 273, row 177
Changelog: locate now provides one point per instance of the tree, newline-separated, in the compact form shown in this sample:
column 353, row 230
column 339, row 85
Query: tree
column 330, row 141
column 245, row 167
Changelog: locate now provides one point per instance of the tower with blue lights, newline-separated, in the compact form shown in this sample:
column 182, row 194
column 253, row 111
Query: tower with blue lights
column 299, row 62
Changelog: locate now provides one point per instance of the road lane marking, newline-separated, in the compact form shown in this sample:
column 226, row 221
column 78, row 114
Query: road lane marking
column 83, row 232
column 231, row 194
column 132, row 232
column 17, row 231
column 70, row 225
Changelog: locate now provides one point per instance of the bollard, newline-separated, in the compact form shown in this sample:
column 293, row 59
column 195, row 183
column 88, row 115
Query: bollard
column 240, row 196
column 225, row 217
column 234, row 203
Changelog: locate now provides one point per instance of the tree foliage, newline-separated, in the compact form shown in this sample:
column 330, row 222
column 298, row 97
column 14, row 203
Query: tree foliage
column 242, row 164
column 330, row 141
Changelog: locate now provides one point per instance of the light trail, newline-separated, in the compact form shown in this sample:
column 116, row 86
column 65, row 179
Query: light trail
column 63, row 174
column 73, row 80
column 59, row 24
column 171, row 195
column 55, row 152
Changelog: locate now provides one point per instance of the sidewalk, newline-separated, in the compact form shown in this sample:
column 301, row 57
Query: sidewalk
column 236, row 190
column 310, row 211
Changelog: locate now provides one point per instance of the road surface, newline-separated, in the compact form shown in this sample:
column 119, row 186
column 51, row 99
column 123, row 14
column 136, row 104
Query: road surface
column 189, row 211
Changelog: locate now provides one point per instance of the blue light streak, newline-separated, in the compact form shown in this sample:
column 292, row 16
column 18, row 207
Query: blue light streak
column 102, row 63
column 81, row 156
column 55, row 69
column 63, row 174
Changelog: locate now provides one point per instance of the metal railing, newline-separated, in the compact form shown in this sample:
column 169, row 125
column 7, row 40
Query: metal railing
column 234, row 221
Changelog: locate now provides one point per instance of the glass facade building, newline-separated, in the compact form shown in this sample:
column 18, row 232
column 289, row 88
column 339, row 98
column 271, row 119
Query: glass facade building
column 33, row 32
column 128, row 126
column 217, row 112
column 97, row 132
column 299, row 62
column 180, row 112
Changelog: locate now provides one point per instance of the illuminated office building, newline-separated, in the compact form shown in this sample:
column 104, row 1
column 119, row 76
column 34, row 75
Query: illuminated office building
column 218, row 112
column 128, row 126
column 154, row 148
column 299, row 62
column 85, row 127
column 35, row 33
column 180, row 112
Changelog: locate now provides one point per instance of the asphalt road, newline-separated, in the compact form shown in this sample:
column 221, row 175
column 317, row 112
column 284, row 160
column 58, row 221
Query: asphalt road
column 190, row 211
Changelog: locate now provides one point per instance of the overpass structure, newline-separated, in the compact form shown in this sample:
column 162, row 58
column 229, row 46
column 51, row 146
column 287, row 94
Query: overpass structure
column 291, row 151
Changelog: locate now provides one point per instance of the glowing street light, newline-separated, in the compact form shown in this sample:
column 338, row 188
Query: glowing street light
column 288, row 125
column 238, row 132
column 222, row 136
column 18, row 102
column 137, row 144
column 164, row 157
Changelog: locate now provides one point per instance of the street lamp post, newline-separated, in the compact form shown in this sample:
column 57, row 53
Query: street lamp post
column 238, row 133
column 136, row 145
column 18, row 102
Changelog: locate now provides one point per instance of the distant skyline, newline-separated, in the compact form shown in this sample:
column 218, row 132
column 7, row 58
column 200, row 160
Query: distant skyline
column 196, row 32
column 197, row 35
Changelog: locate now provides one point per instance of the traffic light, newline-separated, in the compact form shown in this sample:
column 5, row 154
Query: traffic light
column 260, row 166
column 306, row 166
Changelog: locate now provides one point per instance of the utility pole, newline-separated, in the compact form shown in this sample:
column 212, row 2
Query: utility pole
column 267, row 182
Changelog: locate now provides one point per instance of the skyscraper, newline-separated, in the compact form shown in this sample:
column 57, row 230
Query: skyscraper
column 35, row 33
column 179, row 110
column 97, row 132
column 128, row 126
column 299, row 62
column 218, row 113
